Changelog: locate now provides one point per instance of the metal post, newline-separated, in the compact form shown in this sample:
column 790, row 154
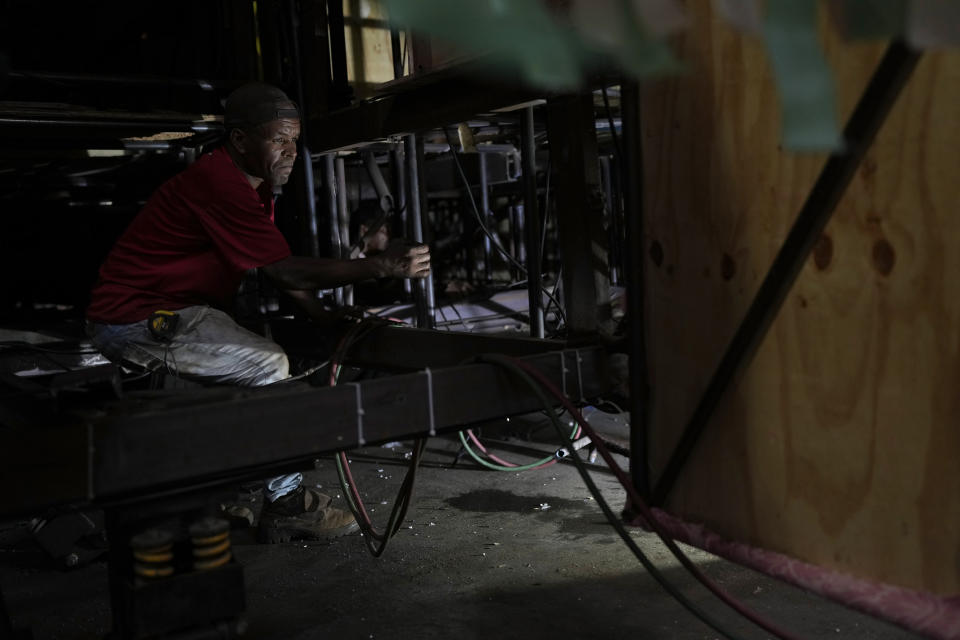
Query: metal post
column 632, row 180
column 400, row 190
column 342, row 93
column 878, row 98
column 518, row 230
column 306, row 165
column 423, row 291
column 343, row 220
column 336, row 247
column 532, row 222
column 485, row 216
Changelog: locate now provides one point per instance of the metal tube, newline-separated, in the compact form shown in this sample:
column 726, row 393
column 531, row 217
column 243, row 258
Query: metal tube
column 384, row 199
column 423, row 289
column 93, row 123
column 400, row 189
column 632, row 166
column 343, row 219
column 878, row 98
column 512, row 239
column 612, row 206
column 485, row 216
column 310, row 189
column 129, row 81
column 427, row 282
column 532, row 222
column 521, row 235
column 336, row 248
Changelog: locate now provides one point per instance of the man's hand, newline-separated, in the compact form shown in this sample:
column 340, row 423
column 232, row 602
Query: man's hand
column 401, row 260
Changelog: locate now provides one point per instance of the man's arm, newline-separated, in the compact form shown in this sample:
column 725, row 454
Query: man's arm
column 303, row 274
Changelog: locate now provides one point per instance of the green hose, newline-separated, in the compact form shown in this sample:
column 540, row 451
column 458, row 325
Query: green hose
column 499, row 467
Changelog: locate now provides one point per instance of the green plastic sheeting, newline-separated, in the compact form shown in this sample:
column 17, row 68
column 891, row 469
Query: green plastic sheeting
column 804, row 80
column 557, row 55
column 521, row 34
column 518, row 33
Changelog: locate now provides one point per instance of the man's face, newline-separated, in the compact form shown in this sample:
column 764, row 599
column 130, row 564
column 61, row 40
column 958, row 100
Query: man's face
column 270, row 150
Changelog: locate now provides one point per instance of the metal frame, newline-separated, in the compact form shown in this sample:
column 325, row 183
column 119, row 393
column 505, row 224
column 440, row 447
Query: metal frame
column 531, row 213
column 889, row 78
column 212, row 436
column 634, row 264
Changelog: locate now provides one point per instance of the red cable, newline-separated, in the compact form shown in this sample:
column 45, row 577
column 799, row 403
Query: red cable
column 338, row 352
column 635, row 498
column 367, row 522
column 505, row 463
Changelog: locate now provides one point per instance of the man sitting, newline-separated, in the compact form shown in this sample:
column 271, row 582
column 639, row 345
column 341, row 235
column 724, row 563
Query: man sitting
column 184, row 255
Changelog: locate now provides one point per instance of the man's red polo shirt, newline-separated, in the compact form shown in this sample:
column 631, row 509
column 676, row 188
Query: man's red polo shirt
column 191, row 243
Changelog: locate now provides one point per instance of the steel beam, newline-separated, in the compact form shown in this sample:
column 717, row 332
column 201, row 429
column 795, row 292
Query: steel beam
column 418, row 103
column 143, row 447
column 333, row 221
column 213, row 433
column 404, row 349
column 398, row 226
column 878, row 98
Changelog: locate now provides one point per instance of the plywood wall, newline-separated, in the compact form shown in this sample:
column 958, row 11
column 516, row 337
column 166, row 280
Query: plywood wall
column 841, row 444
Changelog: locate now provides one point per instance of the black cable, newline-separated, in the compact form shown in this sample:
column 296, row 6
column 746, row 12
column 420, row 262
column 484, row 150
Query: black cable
column 404, row 493
column 400, row 505
column 647, row 514
column 601, row 501
column 444, row 316
column 476, row 210
column 552, row 298
column 611, row 210
column 175, row 372
column 493, row 239
column 460, row 317
column 300, row 376
column 613, row 129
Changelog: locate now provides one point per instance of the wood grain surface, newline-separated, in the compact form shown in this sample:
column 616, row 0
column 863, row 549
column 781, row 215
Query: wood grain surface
column 840, row 444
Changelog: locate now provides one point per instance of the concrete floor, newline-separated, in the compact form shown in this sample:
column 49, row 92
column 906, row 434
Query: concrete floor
column 482, row 554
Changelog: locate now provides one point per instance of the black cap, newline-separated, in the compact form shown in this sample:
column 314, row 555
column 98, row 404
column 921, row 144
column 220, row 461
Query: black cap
column 256, row 103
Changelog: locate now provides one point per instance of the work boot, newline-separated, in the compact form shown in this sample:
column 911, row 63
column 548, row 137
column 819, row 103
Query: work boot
column 303, row 514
